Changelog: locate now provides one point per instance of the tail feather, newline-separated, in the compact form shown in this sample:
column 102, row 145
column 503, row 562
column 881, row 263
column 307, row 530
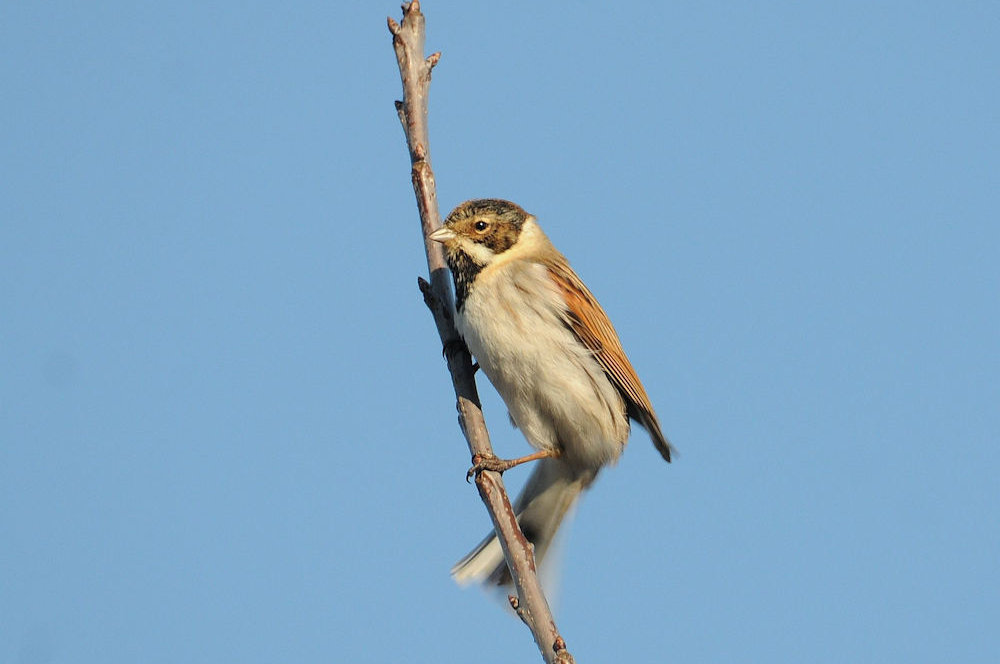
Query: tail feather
column 652, row 426
column 551, row 491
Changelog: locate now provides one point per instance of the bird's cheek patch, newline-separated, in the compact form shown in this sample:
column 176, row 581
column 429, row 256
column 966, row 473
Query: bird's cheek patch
column 501, row 239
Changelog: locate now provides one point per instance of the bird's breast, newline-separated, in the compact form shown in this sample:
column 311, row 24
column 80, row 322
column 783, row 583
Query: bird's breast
column 513, row 321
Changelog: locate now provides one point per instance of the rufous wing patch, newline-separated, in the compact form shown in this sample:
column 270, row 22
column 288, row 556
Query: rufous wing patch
column 587, row 320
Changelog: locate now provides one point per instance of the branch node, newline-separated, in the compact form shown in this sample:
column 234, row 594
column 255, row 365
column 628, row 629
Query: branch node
column 521, row 611
column 420, row 152
column 401, row 113
column 563, row 657
column 439, row 310
column 433, row 59
column 430, row 299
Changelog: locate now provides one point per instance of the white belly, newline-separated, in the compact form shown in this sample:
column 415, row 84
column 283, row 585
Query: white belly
column 555, row 390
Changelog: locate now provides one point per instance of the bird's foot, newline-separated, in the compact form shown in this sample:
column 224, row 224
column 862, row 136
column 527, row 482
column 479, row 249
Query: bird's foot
column 481, row 462
column 457, row 346
column 451, row 346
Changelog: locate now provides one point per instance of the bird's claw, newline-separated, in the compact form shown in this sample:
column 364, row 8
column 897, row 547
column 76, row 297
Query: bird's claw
column 481, row 463
column 453, row 346
column 457, row 346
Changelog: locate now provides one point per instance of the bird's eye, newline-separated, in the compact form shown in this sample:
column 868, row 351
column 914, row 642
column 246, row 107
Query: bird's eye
column 481, row 226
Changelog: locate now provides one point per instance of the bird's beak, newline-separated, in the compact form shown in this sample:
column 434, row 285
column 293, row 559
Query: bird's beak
column 442, row 234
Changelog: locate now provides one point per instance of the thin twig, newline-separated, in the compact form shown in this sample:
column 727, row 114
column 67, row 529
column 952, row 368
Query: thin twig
column 415, row 71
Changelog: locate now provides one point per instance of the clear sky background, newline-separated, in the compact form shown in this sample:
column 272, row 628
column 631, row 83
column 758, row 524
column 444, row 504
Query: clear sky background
column 226, row 431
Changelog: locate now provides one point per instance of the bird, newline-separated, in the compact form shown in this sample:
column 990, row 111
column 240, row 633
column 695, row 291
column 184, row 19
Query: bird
column 548, row 348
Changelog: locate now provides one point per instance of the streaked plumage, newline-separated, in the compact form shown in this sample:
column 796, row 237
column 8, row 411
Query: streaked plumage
column 549, row 349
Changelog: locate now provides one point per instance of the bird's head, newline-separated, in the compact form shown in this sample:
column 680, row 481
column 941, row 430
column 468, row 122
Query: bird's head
column 478, row 231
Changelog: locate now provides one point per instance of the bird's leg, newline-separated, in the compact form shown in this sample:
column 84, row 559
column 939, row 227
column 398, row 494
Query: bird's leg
column 481, row 463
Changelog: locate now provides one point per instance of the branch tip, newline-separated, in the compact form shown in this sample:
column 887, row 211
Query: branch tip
column 393, row 26
column 409, row 7
column 433, row 59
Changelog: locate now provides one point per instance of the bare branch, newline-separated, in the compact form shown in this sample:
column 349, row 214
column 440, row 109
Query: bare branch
column 415, row 72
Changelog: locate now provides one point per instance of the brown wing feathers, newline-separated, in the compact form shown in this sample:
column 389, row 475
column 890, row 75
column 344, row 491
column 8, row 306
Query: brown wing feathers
column 591, row 325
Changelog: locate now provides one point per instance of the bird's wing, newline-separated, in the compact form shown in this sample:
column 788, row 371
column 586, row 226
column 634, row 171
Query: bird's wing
column 587, row 320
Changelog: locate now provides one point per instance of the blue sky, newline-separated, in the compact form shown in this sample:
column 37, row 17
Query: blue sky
column 226, row 432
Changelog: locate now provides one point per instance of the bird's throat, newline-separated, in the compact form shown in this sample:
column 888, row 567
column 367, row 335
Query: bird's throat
column 464, row 271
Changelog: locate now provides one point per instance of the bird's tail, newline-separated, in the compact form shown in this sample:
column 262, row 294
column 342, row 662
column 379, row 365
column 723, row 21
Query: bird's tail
column 551, row 491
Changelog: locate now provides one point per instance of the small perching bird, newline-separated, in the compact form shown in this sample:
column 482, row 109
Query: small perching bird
column 549, row 349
